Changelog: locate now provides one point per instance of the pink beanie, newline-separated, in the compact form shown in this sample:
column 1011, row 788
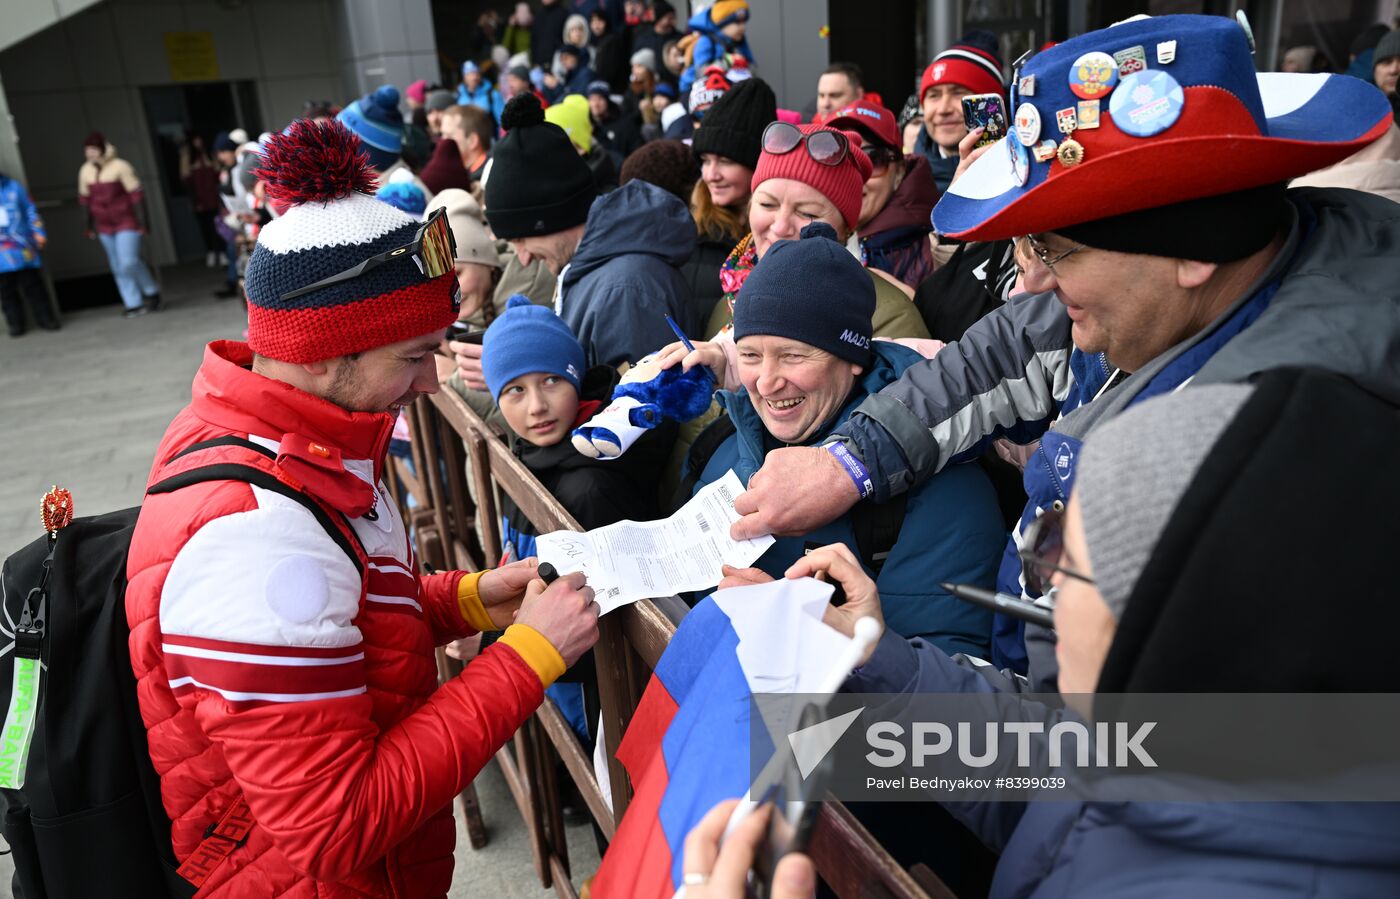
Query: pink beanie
column 841, row 184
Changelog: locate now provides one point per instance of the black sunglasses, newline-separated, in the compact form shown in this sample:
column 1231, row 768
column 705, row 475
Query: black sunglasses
column 1042, row 546
column 881, row 158
column 825, row 147
column 433, row 250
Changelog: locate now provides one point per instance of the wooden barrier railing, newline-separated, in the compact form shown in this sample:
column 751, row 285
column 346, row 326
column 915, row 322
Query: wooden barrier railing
column 456, row 526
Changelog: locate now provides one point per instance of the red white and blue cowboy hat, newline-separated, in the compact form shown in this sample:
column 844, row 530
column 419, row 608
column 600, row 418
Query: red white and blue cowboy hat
column 1163, row 110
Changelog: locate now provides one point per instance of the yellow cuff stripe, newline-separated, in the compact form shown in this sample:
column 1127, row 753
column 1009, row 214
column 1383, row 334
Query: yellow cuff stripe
column 537, row 651
column 469, row 601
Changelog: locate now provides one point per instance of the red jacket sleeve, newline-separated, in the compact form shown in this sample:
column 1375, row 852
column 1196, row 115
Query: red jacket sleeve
column 441, row 606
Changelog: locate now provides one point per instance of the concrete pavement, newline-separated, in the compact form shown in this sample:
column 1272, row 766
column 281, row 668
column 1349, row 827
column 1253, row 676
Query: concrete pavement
column 84, row 408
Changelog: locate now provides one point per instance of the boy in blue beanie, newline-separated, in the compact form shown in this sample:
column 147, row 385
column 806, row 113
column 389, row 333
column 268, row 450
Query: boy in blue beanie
column 534, row 367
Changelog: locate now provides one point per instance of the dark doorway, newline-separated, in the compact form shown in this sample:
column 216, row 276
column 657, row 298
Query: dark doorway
column 174, row 114
column 887, row 55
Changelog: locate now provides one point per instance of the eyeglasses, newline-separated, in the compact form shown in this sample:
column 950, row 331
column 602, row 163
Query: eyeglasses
column 433, row 250
column 881, row 158
column 1042, row 547
column 825, row 147
column 1042, row 252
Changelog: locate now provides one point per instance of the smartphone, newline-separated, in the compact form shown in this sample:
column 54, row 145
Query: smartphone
column 464, row 333
column 986, row 111
column 795, row 809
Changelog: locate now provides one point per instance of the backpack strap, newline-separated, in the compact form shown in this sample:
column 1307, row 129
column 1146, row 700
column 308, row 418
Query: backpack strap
column 705, row 445
column 877, row 527
column 342, row 533
column 232, row 829
column 219, row 841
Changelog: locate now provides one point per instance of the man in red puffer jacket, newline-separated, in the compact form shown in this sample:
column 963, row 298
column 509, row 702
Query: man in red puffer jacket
column 286, row 695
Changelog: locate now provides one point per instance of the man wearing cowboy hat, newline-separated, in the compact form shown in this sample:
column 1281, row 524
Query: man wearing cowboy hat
column 1143, row 182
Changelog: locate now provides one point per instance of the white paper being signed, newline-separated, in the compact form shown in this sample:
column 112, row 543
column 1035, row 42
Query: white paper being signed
column 630, row 560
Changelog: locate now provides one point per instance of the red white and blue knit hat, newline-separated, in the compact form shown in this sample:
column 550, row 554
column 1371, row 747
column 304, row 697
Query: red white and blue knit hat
column 320, row 171
column 965, row 65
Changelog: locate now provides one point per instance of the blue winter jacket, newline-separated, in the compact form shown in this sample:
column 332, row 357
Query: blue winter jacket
column 709, row 47
column 485, row 96
column 20, row 225
column 624, row 278
column 952, row 530
column 1140, row 850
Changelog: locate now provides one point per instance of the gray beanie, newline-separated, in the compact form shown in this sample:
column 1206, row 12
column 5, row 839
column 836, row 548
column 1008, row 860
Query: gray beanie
column 1133, row 473
column 439, row 99
column 646, row 58
column 1388, row 46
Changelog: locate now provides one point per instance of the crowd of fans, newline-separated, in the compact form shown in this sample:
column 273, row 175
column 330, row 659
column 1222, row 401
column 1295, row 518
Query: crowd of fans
column 908, row 350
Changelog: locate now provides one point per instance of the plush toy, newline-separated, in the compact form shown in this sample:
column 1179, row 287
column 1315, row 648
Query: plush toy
column 646, row 396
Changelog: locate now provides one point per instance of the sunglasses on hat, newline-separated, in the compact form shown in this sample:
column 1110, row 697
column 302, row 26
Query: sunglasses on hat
column 825, row 147
column 1042, row 547
column 432, row 249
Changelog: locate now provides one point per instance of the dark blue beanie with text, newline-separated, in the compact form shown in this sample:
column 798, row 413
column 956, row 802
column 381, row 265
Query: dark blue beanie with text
column 812, row 290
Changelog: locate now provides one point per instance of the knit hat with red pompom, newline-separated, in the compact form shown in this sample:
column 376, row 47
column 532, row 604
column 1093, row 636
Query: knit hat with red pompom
column 333, row 222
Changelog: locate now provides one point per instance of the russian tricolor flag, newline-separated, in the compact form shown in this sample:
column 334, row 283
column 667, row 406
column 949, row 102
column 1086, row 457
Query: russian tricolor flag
column 687, row 747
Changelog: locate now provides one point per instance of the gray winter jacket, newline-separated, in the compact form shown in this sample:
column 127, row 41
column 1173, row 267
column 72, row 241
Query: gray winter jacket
column 1016, row 372
column 1337, row 308
column 624, row 278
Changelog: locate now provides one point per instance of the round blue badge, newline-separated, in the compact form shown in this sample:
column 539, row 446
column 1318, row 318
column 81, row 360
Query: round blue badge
column 1020, row 160
column 1146, row 103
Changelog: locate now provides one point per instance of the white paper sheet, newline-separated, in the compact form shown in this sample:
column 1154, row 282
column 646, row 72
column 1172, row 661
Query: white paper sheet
column 630, row 560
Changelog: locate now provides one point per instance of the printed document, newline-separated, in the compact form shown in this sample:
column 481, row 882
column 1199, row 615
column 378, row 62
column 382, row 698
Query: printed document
column 631, row 560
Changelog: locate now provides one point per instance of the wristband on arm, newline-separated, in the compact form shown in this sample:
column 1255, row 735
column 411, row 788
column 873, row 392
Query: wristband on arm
column 854, row 468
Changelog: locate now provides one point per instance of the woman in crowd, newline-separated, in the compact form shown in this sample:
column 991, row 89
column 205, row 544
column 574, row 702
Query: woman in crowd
column 898, row 197
column 477, row 263
column 575, row 35
column 200, row 175
column 1157, row 560
column 809, row 173
column 727, row 146
column 111, row 193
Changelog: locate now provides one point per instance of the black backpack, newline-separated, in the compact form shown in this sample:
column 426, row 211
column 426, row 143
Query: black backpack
column 88, row 820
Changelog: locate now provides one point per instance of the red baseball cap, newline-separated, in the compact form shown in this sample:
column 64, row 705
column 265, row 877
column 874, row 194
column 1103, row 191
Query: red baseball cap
column 866, row 118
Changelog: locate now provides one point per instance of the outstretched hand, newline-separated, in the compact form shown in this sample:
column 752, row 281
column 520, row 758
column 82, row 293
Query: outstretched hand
column 798, row 489
column 706, row 353
column 969, row 152
column 468, row 359
column 715, row 871
column 563, row 612
column 742, row 577
column 838, row 564
column 501, row 590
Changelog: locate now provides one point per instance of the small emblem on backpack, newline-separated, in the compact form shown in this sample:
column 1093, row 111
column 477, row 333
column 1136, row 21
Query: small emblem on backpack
column 56, row 509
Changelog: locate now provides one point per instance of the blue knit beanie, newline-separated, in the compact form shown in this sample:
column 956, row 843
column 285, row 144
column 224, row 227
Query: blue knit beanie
column 404, row 196
column 377, row 122
column 811, row 290
column 527, row 338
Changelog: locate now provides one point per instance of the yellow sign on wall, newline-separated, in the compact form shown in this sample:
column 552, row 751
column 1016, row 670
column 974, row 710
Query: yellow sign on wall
column 191, row 55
